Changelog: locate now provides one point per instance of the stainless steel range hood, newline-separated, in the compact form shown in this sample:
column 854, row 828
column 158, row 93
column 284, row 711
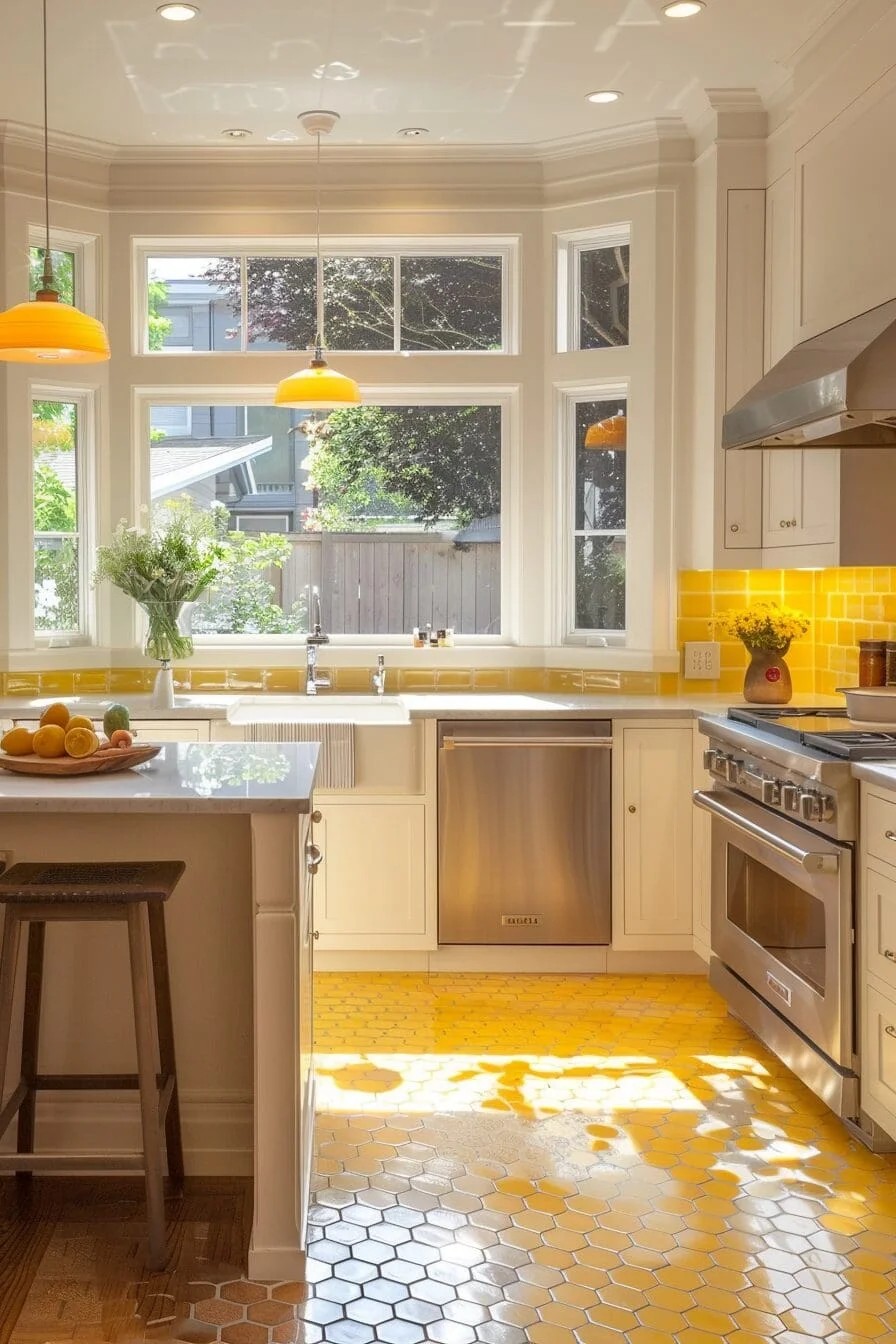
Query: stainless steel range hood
column 837, row 390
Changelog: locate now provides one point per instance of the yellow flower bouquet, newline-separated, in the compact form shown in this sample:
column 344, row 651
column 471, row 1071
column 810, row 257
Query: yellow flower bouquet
column 764, row 625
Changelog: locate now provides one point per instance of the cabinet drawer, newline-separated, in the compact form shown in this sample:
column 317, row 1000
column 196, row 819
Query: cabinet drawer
column 879, row 917
column 880, row 826
column 879, row 1058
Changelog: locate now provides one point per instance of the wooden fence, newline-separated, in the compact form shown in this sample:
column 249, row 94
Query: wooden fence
column 386, row 583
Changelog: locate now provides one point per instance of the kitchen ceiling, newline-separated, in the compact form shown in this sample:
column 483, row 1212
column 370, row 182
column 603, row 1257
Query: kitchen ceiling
column 470, row 71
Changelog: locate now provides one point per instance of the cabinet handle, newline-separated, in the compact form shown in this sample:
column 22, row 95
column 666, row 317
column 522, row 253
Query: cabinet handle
column 317, row 816
column 735, row 527
column 890, row 1030
column 313, row 858
column 316, row 933
column 632, row 808
column 889, row 954
column 890, row 835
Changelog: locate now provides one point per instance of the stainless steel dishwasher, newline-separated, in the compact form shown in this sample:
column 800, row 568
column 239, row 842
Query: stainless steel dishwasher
column 524, row 831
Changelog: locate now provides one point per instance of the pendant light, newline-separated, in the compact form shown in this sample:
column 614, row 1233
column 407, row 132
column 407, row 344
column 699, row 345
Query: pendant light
column 318, row 385
column 610, row 433
column 45, row 328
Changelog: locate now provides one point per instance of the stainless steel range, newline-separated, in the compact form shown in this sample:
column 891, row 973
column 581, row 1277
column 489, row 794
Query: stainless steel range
column 783, row 901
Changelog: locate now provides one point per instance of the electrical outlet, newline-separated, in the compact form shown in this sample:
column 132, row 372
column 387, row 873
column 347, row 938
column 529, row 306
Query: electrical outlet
column 702, row 659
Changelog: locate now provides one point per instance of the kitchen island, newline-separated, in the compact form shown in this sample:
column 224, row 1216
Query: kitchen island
column 239, row 939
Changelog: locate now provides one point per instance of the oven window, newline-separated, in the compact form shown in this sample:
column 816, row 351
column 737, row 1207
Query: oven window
column 782, row 918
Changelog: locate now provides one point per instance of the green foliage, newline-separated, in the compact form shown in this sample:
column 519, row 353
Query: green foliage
column 55, row 508
column 427, row 463
column 63, row 272
column 242, row 600
column 158, row 326
column 56, row 605
column 173, row 561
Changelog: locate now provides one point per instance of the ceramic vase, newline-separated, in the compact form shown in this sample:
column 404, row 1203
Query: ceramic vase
column 767, row 680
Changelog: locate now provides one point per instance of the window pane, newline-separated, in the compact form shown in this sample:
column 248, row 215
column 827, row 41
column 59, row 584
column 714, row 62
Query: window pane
column 63, row 272
column 600, row 583
column 281, row 302
column 193, row 303
column 359, row 303
column 600, row 471
column 56, row 584
column 603, row 297
column 392, row 513
column 451, row 303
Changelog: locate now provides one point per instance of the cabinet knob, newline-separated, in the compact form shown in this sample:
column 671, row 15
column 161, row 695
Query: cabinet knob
column 316, row 933
column 735, row 527
column 784, row 523
column 317, row 816
column 313, row 858
column 632, row 808
column 889, row 954
column 891, row 1031
column 890, row 835
column 793, row 522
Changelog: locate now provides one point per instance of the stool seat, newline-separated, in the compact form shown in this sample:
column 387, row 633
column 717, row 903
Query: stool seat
column 60, row 883
column 35, row 894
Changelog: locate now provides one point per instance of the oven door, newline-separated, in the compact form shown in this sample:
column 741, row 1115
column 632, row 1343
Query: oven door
column 782, row 917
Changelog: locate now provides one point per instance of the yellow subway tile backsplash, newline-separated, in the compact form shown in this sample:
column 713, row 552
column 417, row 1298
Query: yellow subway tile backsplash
column 282, row 680
column 130, row 680
column 490, row 678
column 94, row 681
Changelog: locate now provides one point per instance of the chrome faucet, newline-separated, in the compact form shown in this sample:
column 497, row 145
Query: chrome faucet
column 314, row 680
column 378, row 678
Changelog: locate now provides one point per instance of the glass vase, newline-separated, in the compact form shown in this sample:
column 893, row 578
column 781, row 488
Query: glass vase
column 767, row 680
column 165, row 640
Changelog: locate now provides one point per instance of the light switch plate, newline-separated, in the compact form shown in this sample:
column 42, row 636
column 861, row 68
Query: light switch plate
column 702, row 660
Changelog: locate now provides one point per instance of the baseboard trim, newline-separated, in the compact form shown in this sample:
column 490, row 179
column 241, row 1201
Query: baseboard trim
column 217, row 1129
column 521, row 960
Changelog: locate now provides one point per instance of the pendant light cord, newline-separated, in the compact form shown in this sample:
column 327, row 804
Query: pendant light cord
column 49, row 281
column 319, row 334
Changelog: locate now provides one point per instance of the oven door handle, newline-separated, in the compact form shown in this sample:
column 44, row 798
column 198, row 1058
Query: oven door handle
column 810, row 861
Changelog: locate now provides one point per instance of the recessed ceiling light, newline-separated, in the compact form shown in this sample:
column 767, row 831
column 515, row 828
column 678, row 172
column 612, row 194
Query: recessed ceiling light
column 413, row 132
column 177, row 13
column 604, row 96
column 336, row 70
column 283, row 137
column 236, row 132
column 683, row 9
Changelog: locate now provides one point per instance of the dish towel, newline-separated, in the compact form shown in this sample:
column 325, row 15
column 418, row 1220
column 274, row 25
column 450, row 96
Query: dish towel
column 336, row 767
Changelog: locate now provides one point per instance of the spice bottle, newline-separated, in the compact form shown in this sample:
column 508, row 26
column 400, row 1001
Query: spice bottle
column 891, row 662
column 872, row 662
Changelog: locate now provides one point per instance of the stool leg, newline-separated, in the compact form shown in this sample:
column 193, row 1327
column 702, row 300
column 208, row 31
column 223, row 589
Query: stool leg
column 138, row 939
column 165, row 1025
column 31, row 1035
column 9, row 956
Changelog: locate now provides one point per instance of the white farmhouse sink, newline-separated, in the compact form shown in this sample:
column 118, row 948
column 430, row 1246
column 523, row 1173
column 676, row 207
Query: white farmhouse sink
column 321, row 708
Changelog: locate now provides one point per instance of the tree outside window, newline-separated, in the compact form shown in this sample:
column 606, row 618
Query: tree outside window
column 57, row 597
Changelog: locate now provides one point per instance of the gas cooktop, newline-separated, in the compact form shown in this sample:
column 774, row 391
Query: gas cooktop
column 827, row 730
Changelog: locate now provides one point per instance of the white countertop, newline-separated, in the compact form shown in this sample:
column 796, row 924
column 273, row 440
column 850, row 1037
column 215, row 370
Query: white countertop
column 876, row 772
column 419, row 705
column 184, row 777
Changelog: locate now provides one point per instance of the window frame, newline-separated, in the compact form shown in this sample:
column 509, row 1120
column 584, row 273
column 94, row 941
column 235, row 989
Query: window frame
column 505, row 396
column 86, row 500
column 566, row 631
column 570, row 247
column 507, row 247
column 85, row 249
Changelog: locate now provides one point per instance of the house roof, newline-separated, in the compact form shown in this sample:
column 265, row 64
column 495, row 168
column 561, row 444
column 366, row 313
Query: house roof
column 177, row 462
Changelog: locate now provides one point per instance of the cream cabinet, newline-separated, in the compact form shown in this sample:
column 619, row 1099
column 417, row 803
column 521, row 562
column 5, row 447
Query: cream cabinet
column 171, row 730
column 799, row 497
column 653, row 835
column 877, row 956
column 372, row 889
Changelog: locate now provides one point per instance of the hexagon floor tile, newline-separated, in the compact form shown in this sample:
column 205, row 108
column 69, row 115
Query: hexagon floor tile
column 544, row 1159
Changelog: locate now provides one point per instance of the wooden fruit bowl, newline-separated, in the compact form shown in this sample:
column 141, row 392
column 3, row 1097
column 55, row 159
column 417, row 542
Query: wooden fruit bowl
column 105, row 761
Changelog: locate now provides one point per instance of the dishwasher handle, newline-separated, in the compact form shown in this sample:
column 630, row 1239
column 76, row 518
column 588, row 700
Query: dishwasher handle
column 593, row 743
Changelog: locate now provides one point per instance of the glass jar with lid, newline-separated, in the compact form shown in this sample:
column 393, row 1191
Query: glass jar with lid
column 872, row 662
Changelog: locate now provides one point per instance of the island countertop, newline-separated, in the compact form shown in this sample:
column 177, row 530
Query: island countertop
column 185, row 777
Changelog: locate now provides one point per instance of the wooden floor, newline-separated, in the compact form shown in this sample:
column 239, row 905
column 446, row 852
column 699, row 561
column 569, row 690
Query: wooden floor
column 71, row 1264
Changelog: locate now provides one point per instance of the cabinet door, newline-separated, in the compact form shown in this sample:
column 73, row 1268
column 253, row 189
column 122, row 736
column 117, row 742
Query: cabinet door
column 781, row 496
column 657, row 839
column 800, row 496
column 171, row 730
column 743, row 500
column 371, row 888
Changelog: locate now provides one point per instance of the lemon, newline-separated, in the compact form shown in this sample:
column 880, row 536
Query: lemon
column 17, row 742
column 78, row 721
column 56, row 714
column 49, row 740
column 81, row 742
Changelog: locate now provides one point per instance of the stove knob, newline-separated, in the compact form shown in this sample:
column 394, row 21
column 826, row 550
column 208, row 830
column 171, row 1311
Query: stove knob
column 828, row 808
column 790, row 797
column 709, row 760
column 771, row 792
column 732, row 770
column 811, row 805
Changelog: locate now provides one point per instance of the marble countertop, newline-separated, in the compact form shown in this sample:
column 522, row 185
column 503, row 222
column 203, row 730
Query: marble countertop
column 876, row 772
column 421, row 705
column 184, row 777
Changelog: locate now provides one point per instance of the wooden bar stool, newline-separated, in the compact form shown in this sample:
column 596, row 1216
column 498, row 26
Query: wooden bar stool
column 36, row 893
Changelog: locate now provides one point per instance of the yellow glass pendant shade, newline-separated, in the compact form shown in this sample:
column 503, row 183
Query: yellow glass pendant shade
column 47, row 330
column 318, row 385
column 609, row 433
